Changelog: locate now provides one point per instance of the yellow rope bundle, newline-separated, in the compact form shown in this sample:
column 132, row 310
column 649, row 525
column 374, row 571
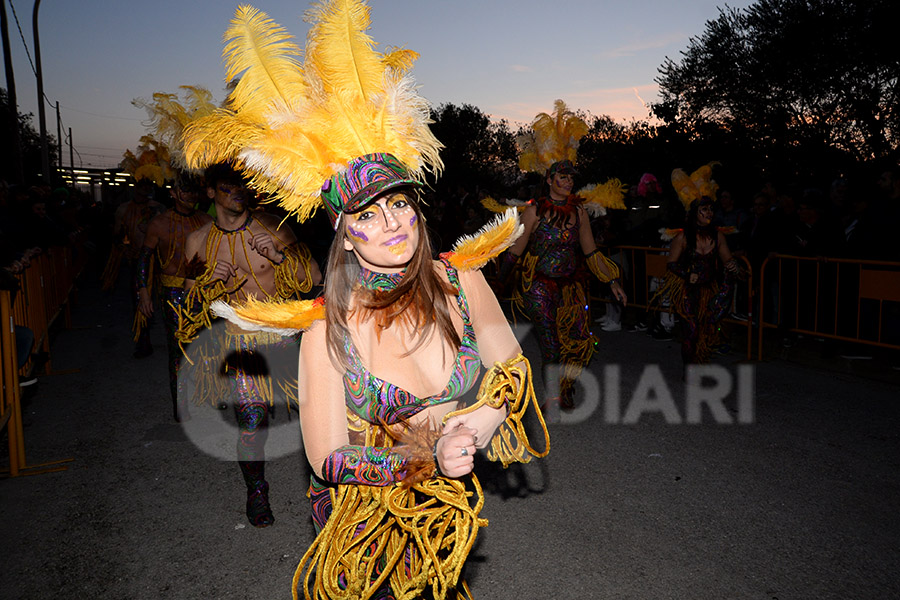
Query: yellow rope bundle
column 296, row 257
column 577, row 351
column 413, row 538
column 510, row 383
column 595, row 260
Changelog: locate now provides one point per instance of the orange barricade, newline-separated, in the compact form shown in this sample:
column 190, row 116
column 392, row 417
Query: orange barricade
column 644, row 263
column 837, row 298
column 47, row 287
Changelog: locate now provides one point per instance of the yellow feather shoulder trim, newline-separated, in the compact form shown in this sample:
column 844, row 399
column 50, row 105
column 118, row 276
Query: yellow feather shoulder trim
column 282, row 317
column 473, row 252
column 600, row 198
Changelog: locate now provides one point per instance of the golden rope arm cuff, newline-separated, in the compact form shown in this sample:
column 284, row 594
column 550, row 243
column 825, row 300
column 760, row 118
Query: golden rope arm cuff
column 296, row 257
column 510, row 384
column 594, row 262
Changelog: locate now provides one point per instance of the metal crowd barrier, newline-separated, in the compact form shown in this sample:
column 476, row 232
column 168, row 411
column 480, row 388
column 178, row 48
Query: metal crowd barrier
column 47, row 288
column 837, row 298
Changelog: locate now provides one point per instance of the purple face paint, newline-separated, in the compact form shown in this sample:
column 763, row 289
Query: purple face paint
column 357, row 234
column 412, row 222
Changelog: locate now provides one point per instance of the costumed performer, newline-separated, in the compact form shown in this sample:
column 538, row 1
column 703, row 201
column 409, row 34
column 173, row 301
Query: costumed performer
column 557, row 245
column 701, row 273
column 162, row 263
column 399, row 337
column 245, row 254
column 150, row 169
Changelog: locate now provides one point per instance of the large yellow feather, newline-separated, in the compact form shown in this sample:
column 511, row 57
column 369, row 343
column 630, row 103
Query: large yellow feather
column 260, row 52
column 473, row 252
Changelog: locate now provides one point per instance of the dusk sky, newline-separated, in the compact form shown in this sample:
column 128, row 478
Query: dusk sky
column 510, row 58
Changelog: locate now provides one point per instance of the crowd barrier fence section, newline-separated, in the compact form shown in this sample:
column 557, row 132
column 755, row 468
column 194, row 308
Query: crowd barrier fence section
column 843, row 299
column 644, row 267
column 47, row 287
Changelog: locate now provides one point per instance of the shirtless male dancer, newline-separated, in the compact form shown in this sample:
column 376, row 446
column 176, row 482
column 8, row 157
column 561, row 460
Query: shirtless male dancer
column 246, row 254
column 162, row 262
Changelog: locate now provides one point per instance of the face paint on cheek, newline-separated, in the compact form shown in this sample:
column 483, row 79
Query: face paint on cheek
column 397, row 249
column 357, row 234
column 412, row 222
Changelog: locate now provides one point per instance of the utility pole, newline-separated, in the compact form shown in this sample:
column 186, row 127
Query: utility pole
column 12, row 104
column 42, row 117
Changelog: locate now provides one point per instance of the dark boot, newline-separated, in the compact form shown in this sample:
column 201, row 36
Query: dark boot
column 259, row 513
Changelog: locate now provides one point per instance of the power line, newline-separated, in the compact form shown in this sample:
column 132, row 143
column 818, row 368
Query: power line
column 21, row 35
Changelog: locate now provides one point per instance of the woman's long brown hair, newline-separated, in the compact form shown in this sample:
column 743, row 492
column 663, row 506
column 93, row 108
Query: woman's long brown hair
column 420, row 296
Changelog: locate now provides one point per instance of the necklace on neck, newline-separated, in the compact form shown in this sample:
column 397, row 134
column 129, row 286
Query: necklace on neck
column 241, row 228
column 381, row 282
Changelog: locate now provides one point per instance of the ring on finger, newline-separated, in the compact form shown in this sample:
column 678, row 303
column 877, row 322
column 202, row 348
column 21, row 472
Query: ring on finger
column 463, row 451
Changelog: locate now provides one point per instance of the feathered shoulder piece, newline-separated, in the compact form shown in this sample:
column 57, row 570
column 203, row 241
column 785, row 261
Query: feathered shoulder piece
column 473, row 252
column 284, row 318
column 667, row 234
column 695, row 186
column 495, row 207
column 598, row 198
column 552, row 138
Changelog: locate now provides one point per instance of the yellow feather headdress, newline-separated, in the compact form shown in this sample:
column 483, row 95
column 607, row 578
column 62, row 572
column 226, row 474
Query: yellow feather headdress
column 290, row 125
column 151, row 162
column 695, row 186
column 552, row 138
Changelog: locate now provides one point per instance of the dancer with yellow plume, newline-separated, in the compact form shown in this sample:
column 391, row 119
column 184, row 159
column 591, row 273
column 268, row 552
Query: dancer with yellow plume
column 701, row 273
column 399, row 338
column 557, row 244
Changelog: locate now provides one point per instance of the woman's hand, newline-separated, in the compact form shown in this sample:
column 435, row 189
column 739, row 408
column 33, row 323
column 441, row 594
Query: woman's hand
column 455, row 451
column 484, row 421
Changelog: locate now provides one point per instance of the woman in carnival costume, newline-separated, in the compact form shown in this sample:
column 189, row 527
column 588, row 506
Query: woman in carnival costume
column 398, row 337
column 557, row 245
column 701, row 273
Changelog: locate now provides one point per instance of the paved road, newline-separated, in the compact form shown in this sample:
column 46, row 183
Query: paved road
column 801, row 503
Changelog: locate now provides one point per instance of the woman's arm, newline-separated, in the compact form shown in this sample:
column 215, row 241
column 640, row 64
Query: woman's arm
column 725, row 255
column 496, row 343
column 323, row 423
column 589, row 247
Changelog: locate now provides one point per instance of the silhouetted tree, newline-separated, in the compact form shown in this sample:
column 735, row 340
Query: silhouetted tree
column 477, row 151
column 805, row 84
column 29, row 139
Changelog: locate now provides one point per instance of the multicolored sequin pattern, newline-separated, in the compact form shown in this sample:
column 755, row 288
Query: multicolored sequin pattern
column 377, row 401
column 556, row 249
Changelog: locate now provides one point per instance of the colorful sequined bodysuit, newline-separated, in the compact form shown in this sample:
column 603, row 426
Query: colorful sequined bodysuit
column 553, row 297
column 376, row 401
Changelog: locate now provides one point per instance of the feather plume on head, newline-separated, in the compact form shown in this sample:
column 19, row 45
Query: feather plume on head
column 151, row 162
column 552, row 138
column 168, row 116
column 553, row 141
column 695, row 186
column 290, row 126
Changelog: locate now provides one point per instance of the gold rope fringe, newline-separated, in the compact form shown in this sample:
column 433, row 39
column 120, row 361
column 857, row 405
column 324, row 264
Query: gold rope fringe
column 416, row 537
